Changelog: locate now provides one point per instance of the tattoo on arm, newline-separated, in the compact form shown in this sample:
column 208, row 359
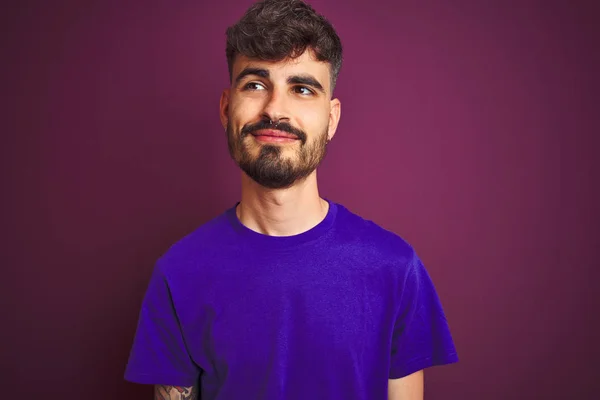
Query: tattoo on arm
column 163, row 392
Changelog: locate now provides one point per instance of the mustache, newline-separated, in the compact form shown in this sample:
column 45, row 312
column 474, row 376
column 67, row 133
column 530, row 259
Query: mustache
column 281, row 126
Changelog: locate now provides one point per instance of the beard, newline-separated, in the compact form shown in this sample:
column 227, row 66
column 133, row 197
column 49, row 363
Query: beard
column 270, row 168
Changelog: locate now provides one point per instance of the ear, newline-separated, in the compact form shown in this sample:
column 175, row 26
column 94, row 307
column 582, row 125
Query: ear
column 335, row 111
column 224, row 108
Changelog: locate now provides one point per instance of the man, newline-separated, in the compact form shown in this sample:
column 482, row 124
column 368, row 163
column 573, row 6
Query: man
column 287, row 295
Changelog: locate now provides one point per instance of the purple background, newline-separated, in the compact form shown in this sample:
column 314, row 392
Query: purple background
column 468, row 127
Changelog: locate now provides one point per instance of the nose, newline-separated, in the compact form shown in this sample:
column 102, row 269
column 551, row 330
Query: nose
column 276, row 107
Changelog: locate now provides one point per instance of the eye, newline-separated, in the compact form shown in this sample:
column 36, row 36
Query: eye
column 254, row 86
column 303, row 90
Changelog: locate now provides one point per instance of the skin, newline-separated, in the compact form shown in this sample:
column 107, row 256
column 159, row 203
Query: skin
column 290, row 211
column 299, row 207
column 407, row 388
column 163, row 392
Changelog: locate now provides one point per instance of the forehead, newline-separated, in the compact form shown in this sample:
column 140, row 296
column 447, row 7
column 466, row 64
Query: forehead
column 306, row 63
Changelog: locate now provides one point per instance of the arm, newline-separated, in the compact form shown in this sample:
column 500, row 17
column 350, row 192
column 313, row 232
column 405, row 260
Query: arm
column 406, row 388
column 163, row 392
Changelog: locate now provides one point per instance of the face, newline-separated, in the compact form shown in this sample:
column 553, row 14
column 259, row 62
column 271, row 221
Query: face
column 279, row 117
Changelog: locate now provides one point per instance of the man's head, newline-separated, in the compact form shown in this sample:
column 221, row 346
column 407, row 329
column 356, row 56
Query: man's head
column 283, row 61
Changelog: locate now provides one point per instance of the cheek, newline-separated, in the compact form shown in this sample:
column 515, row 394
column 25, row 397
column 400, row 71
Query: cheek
column 242, row 112
column 315, row 120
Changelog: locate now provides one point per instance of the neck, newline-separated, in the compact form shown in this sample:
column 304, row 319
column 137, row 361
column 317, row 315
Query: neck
column 281, row 212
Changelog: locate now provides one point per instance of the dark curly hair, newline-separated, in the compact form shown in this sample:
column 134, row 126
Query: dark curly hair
column 274, row 30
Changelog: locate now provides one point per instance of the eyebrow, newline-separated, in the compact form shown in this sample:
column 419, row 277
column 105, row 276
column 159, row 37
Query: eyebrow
column 263, row 73
column 307, row 80
column 302, row 79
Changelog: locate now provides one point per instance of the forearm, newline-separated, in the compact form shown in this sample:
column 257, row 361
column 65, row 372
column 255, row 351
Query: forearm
column 163, row 392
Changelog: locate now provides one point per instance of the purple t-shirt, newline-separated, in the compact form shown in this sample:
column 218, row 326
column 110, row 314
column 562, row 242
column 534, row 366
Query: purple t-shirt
column 331, row 313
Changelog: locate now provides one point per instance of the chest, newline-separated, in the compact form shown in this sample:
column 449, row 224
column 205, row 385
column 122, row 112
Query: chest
column 293, row 311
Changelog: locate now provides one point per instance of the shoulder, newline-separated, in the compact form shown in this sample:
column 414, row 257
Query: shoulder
column 205, row 243
column 377, row 241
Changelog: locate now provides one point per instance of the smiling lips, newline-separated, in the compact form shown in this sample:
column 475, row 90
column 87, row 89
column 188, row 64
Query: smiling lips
column 271, row 135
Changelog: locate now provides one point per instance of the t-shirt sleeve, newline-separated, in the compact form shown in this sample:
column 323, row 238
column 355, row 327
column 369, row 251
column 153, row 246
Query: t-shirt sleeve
column 421, row 336
column 159, row 354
